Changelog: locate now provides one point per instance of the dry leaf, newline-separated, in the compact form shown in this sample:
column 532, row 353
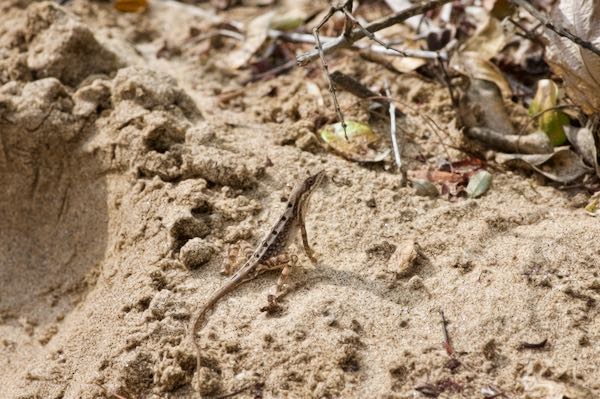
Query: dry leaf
column 593, row 208
column 482, row 106
column 362, row 144
column 473, row 66
column 562, row 166
column 130, row 5
column 579, row 68
column 487, row 41
column 448, row 182
column 582, row 140
column 257, row 32
column 425, row 188
column 479, row 183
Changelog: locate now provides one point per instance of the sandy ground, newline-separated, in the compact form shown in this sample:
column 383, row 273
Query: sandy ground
column 124, row 180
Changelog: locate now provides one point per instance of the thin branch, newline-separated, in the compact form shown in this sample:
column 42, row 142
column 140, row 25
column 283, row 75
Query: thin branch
column 559, row 30
column 392, row 110
column 307, row 38
column 345, row 41
column 321, row 54
column 447, row 341
column 371, row 35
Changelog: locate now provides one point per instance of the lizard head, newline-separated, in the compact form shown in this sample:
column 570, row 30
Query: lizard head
column 313, row 181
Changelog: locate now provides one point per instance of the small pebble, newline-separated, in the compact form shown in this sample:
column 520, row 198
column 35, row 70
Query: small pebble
column 195, row 253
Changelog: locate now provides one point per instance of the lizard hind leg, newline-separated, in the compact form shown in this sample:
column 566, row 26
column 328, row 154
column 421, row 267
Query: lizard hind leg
column 286, row 263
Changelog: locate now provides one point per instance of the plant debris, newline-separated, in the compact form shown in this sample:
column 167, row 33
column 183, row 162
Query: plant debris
column 361, row 144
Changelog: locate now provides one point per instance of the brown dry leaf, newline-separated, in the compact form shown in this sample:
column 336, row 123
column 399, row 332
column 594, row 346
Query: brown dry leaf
column 562, row 166
column 499, row 8
column 130, row 5
column 408, row 64
column 473, row 58
column 473, row 66
column 579, row 68
column 583, row 141
column 482, row 106
column 448, row 182
column 487, row 41
column 257, row 32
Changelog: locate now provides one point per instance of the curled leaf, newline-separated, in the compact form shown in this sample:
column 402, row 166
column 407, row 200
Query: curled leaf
column 579, row 68
column 479, row 183
column 256, row 34
column 550, row 121
column 583, row 141
column 488, row 39
column 562, row 166
column 362, row 144
column 472, row 65
column 130, row 5
column 482, row 106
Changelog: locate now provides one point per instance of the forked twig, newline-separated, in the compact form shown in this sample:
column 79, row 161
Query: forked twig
column 345, row 41
column 338, row 111
column 309, row 38
column 371, row 35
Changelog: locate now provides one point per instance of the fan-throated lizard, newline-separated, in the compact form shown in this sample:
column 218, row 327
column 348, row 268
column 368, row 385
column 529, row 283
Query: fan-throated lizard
column 269, row 253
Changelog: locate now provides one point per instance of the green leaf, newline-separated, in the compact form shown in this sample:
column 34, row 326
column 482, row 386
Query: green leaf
column 551, row 122
column 361, row 144
column 479, row 183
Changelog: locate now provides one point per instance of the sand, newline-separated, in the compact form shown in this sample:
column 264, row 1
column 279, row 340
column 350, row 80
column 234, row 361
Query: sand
column 125, row 179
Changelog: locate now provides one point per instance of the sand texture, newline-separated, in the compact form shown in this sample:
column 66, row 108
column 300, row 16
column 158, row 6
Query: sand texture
column 125, row 176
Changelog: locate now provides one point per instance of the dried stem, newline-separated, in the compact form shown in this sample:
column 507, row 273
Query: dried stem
column 447, row 341
column 321, row 54
column 308, row 38
column 559, row 30
column 371, row 35
column 345, row 41
column 392, row 110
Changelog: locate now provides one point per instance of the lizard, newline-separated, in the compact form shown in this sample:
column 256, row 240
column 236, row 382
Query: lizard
column 268, row 253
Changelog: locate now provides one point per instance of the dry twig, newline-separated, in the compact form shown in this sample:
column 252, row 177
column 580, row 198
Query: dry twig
column 321, row 54
column 345, row 41
column 392, row 110
column 447, row 341
column 308, row 38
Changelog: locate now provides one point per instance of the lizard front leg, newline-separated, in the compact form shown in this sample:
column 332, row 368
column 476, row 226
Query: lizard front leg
column 309, row 252
column 237, row 254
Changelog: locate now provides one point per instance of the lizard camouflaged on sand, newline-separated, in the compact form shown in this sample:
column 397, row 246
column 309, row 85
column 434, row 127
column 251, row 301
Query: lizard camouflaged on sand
column 269, row 253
